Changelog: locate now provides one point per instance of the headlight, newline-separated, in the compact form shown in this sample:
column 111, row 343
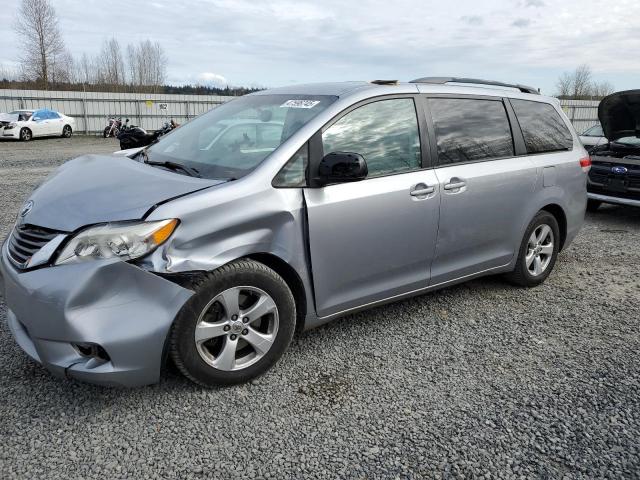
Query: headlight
column 122, row 240
column 11, row 125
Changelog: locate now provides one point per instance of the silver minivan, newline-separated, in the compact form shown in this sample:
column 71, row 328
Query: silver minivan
column 282, row 210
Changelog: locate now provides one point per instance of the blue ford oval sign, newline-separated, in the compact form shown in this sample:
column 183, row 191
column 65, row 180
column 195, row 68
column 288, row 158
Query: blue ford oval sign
column 619, row 170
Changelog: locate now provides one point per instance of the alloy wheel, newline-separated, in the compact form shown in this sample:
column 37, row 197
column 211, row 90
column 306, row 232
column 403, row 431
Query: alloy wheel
column 539, row 250
column 236, row 328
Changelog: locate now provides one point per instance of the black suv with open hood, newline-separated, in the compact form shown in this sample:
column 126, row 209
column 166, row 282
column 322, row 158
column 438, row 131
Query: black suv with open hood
column 615, row 170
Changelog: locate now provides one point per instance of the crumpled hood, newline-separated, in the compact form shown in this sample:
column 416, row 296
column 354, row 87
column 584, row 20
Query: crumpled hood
column 100, row 188
column 619, row 114
column 8, row 117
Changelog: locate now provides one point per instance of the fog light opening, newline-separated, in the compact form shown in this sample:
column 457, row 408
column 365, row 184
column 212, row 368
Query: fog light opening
column 92, row 350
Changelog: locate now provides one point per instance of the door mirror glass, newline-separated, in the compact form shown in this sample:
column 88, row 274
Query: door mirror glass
column 341, row 167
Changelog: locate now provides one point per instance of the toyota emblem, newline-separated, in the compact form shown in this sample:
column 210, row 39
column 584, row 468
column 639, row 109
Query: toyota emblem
column 26, row 208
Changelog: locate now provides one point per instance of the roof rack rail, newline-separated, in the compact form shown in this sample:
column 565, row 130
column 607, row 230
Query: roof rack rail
column 384, row 82
column 443, row 80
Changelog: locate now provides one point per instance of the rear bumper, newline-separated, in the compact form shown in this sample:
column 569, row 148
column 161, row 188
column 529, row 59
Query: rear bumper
column 614, row 200
column 124, row 309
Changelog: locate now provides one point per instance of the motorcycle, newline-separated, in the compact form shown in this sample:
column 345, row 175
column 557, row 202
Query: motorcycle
column 113, row 127
column 135, row 137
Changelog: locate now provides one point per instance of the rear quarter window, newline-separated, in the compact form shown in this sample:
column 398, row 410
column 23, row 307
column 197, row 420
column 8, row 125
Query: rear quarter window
column 542, row 127
column 470, row 130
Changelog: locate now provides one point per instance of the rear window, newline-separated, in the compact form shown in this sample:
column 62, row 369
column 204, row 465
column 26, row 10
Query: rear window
column 542, row 127
column 470, row 130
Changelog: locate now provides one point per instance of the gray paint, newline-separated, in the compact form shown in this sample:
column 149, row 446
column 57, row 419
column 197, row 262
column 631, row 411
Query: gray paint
column 369, row 242
column 120, row 306
column 100, row 188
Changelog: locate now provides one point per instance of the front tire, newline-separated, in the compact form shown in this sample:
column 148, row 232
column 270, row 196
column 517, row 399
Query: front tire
column 25, row 135
column 538, row 251
column 235, row 327
column 66, row 131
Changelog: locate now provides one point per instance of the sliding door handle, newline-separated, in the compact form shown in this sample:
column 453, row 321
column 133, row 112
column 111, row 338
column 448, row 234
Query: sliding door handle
column 455, row 184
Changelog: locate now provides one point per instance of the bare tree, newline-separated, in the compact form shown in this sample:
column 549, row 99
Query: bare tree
column 579, row 85
column 110, row 64
column 62, row 68
column 565, row 85
column 37, row 25
column 147, row 64
column 602, row 89
column 582, row 81
column 85, row 70
column 8, row 73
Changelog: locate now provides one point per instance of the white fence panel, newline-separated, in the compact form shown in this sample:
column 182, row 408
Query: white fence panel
column 92, row 109
column 582, row 113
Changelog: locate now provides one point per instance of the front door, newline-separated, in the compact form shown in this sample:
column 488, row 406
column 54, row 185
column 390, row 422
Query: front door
column 374, row 239
column 486, row 189
column 38, row 124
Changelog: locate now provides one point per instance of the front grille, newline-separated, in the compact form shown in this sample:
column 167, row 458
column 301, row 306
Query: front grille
column 25, row 241
column 603, row 180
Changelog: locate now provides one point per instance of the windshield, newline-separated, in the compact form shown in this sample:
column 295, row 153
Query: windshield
column 595, row 131
column 22, row 115
column 635, row 141
column 234, row 138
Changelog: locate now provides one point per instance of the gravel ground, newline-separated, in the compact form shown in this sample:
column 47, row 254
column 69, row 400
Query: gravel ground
column 482, row 379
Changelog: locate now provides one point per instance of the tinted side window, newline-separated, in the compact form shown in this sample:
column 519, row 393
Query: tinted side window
column 385, row 133
column 542, row 127
column 53, row 115
column 469, row 130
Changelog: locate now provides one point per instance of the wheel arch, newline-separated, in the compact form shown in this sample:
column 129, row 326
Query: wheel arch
column 561, row 217
column 291, row 278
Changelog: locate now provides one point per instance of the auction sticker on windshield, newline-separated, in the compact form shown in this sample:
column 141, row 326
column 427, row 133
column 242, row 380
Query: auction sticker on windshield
column 300, row 103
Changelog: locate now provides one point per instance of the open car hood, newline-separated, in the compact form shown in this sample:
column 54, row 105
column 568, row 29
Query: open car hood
column 619, row 114
column 99, row 188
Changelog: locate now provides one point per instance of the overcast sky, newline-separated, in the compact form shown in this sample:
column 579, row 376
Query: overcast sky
column 278, row 42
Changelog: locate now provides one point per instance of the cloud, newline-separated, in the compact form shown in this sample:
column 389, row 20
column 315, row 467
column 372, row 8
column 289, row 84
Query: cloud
column 280, row 42
column 474, row 20
column 521, row 22
column 211, row 79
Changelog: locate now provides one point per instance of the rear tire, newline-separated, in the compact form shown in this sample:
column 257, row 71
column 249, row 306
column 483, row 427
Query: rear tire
column 593, row 205
column 235, row 327
column 538, row 251
column 25, row 135
column 66, row 131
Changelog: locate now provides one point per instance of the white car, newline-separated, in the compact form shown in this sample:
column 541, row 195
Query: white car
column 592, row 137
column 27, row 124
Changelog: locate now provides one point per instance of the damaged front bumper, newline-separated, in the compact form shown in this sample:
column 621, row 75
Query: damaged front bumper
column 103, row 322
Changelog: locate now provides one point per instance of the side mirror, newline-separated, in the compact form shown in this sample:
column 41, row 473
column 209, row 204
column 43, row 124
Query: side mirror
column 341, row 167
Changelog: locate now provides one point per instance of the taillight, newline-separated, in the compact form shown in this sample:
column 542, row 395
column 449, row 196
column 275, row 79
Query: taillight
column 585, row 163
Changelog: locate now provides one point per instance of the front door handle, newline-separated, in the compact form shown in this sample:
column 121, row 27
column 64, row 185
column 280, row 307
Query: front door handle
column 454, row 184
column 421, row 190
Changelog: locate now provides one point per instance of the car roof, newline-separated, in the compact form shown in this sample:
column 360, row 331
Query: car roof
column 345, row 89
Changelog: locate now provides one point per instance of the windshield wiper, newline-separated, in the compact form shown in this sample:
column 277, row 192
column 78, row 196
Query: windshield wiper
column 192, row 172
